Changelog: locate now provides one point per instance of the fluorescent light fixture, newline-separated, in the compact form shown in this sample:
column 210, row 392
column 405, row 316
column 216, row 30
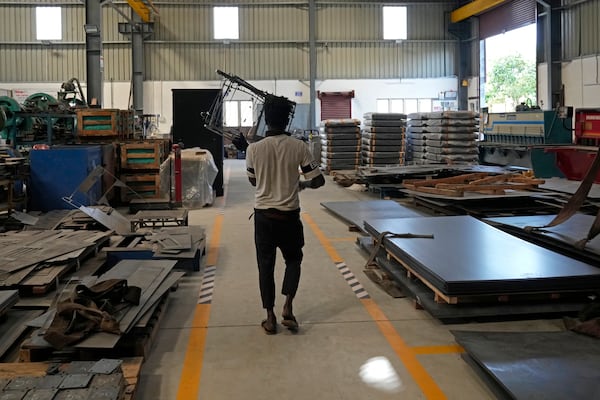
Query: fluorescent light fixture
column 91, row 29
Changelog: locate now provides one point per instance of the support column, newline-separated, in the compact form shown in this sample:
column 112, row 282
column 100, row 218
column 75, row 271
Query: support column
column 312, row 59
column 93, row 49
column 137, row 62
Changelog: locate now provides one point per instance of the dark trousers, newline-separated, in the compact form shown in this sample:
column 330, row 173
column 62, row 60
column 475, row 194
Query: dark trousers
column 274, row 229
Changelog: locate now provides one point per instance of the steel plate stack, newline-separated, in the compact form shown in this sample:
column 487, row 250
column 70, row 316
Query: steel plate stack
column 442, row 137
column 383, row 139
column 340, row 144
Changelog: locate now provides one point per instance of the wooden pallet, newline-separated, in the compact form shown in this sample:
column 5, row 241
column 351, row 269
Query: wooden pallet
column 479, row 182
column 130, row 367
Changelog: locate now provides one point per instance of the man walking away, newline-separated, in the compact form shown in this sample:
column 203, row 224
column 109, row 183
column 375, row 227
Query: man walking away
column 273, row 166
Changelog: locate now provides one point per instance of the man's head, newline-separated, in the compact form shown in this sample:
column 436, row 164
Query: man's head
column 278, row 111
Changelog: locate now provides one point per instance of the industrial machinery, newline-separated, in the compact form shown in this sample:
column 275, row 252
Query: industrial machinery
column 232, row 84
column 509, row 138
column 42, row 118
column 574, row 159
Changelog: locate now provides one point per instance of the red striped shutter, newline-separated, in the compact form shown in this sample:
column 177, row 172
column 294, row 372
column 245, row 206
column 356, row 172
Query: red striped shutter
column 336, row 105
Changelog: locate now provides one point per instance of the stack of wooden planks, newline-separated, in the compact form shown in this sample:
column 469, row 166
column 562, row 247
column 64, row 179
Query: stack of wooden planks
column 479, row 182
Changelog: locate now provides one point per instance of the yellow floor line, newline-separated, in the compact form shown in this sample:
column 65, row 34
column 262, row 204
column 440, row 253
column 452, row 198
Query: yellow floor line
column 408, row 357
column 189, row 383
column 348, row 239
column 451, row 348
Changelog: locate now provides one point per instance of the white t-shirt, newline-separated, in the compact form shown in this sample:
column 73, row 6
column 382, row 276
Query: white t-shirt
column 275, row 162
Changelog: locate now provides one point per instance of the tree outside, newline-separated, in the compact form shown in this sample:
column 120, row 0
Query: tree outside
column 511, row 81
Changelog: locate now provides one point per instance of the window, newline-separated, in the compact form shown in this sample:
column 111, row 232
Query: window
column 239, row 113
column 396, row 105
column 394, row 23
column 425, row 105
column 383, row 105
column 390, row 106
column 246, row 113
column 48, row 23
column 410, row 106
column 225, row 23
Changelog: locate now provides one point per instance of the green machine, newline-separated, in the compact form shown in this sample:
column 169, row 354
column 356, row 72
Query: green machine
column 12, row 120
column 514, row 139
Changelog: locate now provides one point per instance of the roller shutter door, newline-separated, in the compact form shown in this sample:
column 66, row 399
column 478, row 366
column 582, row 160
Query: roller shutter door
column 336, row 105
column 510, row 15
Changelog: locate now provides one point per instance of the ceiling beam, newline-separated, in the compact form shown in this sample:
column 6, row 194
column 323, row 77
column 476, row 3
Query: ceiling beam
column 475, row 7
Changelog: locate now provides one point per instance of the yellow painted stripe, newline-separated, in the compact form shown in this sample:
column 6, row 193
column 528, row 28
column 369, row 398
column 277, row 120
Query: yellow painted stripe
column 189, row 383
column 451, row 348
column 326, row 243
column 428, row 386
column 348, row 239
column 213, row 247
column 405, row 354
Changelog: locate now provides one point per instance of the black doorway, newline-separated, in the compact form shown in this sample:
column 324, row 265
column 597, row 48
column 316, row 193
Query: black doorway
column 188, row 126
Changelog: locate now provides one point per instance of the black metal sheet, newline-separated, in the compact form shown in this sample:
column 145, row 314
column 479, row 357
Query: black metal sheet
column 468, row 256
column 467, row 312
column 538, row 365
column 569, row 232
column 356, row 212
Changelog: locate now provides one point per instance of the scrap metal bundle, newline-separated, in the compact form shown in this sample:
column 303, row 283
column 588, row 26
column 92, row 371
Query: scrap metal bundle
column 340, row 144
column 442, row 137
column 383, row 139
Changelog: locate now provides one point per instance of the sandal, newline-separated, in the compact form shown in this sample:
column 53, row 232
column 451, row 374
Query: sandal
column 268, row 328
column 290, row 322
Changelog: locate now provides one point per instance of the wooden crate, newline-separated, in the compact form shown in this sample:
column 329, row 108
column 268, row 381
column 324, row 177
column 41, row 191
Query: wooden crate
column 92, row 122
column 147, row 155
column 143, row 185
column 126, row 124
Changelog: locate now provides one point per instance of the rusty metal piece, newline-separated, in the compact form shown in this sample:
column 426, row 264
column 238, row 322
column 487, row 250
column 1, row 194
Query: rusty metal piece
column 105, row 366
column 13, row 394
column 76, row 381
column 49, row 382
column 111, row 380
column 73, row 394
column 22, row 383
column 79, row 367
column 41, row 394
column 106, row 393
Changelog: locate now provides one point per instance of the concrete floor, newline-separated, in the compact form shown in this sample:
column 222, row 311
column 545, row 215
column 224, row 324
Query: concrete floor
column 219, row 351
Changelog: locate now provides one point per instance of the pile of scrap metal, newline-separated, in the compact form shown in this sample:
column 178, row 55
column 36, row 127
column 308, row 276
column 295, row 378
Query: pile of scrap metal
column 102, row 379
column 33, row 260
column 113, row 304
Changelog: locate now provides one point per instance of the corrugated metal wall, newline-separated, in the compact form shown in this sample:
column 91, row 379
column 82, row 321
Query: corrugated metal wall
column 581, row 31
column 273, row 42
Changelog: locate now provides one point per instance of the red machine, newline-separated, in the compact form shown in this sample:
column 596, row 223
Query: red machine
column 575, row 160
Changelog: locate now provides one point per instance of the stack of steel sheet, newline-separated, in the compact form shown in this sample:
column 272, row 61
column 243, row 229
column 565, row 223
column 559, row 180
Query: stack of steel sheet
column 383, row 139
column 535, row 365
column 481, row 260
column 562, row 238
column 442, row 137
column 340, row 144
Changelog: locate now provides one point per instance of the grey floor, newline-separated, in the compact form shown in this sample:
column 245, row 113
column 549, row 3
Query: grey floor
column 230, row 357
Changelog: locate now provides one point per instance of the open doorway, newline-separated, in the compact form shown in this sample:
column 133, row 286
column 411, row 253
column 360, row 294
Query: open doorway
column 508, row 69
